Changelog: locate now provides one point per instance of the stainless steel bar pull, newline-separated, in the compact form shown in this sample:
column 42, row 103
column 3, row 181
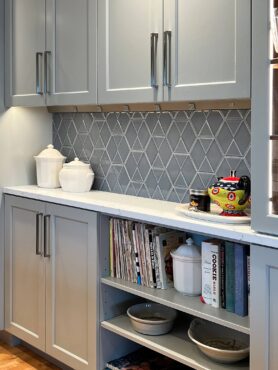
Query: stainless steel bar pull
column 47, row 54
column 46, row 252
column 154, row 41
column 39, row 234
column 39, row 88
column 167, row 58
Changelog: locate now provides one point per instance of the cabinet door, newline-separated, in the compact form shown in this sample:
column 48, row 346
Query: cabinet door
column 71, row 287
column 208, row 49
column 70, row 59
column 24, row 271
column 263, row 308
column 128, row 57
column 25, row 38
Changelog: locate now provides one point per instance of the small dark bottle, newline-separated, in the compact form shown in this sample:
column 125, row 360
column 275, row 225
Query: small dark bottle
column 199, row 200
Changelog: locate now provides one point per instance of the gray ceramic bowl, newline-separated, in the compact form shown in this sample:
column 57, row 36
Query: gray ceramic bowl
column 219, row 343
column 151, row 318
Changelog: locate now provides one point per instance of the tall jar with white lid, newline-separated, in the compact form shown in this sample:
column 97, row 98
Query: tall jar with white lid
column 187, row 268
column 48, row 165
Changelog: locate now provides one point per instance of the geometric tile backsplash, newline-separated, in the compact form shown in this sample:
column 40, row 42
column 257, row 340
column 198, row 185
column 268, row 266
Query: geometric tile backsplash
column 156, row 155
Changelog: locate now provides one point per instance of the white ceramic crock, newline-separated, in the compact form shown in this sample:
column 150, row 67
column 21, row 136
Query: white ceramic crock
column 187, row 269
column 48, row 165
column 76, row 177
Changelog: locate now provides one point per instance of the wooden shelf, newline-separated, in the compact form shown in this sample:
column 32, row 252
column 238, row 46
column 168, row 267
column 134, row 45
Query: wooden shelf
column 175, row 345
column 190, row 305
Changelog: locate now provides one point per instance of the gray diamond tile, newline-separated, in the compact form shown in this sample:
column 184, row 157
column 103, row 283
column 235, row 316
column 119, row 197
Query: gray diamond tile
column 95, row 133
column 197, row 154
column 88, row 146
column 205, row 166
column 188, row 137
column 205, row 143
column 131, row 189
column 215, row 120
column 137, row 145
column 151, row 120
column 157, row 162
column 157, row 194
column 173, row 136
column 197, row 183
column 98, row 116
column 224, row 138
column 105, row 186
column 242, row 169
column 131, row 165
column 158, row 141
column 165, row 185
column 180, row 148
column 207, row 179
column 105, row 134
column 131, row 134
column 188, row 170
column 206, row 131
column 57, row 142
column 151, row 182
column 72, row 133
column 233, row 150
column 198, row 120
column 144, row 192
column 224, row 169
column 182, row 194
column 144, row 166
column 158, row 173
column 80, row 124
column 151, row 151
column 248, row 158
column 117, row 159
column 165, row 152
column 56, row 118
column 123, row 179
column 180, row 181
column 137, row 156
column 137, row 176
column 165, row 120
column 214, row 155
column 123, row 119
column 243, row 138
column 111, row 148
column 143, row 135
column 137, row 187
column 180, row 158
column 173, row 169
column 123, row 149
column 158, row 130
column 99, row 144
column 113, row 123
column 233, row 162
column 173, row 196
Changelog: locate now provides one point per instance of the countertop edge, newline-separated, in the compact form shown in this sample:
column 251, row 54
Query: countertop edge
column 149, row 213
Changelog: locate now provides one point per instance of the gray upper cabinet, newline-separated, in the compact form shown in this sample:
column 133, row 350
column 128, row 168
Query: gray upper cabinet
column 207, row 49
column 51, row 52
column 173, row 50
column 129, row 51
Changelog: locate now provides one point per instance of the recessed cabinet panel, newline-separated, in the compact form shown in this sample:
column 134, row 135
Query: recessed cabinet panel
column 24, row 269
column 71, row 287
column 128, row 56
column 209, row 49
column 25, row 37
column 71, row 51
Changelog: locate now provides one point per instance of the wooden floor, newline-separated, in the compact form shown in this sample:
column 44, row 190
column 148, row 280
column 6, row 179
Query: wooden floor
column 21, row 358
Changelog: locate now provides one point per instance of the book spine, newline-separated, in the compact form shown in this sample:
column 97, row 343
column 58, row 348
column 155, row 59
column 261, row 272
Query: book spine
column 230, row 276
column 152, row 257
column 215, row 276
column 111, row 247
column 241, row 289
column 206, row 273
column 248, row 281
column 136, row 255
column 222, row 277
column 161, row 264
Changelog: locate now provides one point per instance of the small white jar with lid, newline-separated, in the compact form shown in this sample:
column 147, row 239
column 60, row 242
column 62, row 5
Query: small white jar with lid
column 76, row 177
column 48, row 165
column 187, row 268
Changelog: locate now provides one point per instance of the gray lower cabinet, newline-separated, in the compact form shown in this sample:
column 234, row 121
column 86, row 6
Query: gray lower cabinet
column 50, row 279
column 263, row 308
column 50, row 52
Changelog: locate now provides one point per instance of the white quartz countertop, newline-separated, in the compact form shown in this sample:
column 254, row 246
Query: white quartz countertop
column 143, row 209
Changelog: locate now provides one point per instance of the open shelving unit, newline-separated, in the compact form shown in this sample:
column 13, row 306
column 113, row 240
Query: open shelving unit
column 116, row 295
column 190, row 305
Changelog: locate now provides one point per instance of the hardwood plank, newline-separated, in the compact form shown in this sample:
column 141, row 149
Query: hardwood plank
column 21, row 358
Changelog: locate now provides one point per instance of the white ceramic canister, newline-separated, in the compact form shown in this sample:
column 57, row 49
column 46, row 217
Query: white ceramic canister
column 76, row 176
column 187, row 268
column 48, row 165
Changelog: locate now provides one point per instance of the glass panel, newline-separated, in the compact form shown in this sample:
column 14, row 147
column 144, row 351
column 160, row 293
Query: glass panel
column 275, row 177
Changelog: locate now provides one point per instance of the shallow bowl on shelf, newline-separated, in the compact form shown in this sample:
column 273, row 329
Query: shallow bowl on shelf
column 219, row 343
column 151, row 318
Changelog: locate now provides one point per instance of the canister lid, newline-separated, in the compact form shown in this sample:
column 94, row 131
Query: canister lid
column 50, row 152
column 76, row 163
column 198, row 192
column 187, row 251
